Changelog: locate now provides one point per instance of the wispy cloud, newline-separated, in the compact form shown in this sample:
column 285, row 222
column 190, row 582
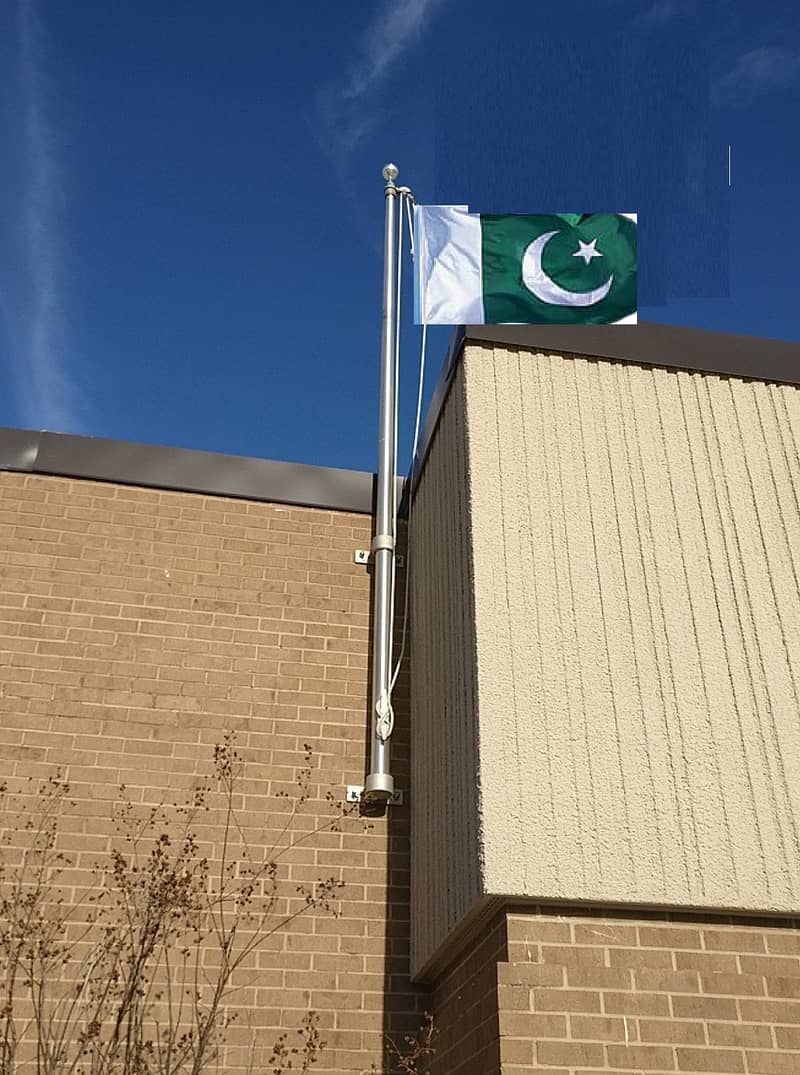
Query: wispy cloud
column 350, row 111
column 391, row 33
column 35, row 319
column 761, row 69
column 656, row 15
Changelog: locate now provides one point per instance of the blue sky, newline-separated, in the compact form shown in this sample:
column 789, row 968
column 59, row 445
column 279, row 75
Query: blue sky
column 191, row 204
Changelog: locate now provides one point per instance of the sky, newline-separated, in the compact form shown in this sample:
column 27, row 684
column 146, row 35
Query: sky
column 191, row 202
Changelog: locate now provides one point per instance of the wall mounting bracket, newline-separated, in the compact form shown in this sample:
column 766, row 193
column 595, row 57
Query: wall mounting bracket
column 355, row 794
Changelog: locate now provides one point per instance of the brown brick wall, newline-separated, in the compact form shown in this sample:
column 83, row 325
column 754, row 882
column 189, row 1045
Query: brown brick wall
column 464, row 1006
column 592, row 994
column 137, row 627
column 583, row 993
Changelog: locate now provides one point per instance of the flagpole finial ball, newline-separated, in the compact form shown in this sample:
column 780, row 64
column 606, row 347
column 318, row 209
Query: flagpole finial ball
column 390, row 172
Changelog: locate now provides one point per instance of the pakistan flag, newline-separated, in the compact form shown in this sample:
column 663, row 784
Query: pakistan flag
column 489, row 269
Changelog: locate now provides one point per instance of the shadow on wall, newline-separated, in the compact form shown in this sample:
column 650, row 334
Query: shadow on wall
column 404, row 1003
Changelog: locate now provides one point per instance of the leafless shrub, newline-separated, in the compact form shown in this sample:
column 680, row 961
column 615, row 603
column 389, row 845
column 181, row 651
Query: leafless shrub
column 410, row 1057
column 136, row 975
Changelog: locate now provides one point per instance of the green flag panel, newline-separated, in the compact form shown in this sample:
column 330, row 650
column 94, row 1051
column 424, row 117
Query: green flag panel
column 558, row 269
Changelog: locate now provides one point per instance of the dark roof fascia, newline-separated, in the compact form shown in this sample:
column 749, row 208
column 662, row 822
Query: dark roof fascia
column 185, row 470
column 647, row 344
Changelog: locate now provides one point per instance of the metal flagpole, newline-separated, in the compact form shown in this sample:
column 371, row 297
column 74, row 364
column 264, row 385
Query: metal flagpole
column 379, row 786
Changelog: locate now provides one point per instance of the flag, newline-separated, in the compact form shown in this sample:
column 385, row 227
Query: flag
column 491, row 269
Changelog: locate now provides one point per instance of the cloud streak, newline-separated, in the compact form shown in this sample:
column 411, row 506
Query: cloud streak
column 391, row 33
column 346, row 114
column 759, row 70
column 47, row 396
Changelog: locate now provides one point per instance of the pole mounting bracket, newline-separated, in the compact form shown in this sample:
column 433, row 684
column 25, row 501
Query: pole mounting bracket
column 355, row 794
column 363, row 556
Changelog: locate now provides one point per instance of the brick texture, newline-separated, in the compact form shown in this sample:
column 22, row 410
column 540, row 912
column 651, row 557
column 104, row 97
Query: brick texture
column 578, row 993
column 137, row 627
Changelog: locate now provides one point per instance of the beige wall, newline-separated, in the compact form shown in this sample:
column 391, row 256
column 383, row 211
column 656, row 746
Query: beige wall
column 634, row 536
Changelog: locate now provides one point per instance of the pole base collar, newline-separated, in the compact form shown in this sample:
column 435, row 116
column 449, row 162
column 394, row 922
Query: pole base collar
column 379, row 787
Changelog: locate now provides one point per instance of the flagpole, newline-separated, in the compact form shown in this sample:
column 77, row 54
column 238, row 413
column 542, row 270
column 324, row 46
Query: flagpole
column 379, row 786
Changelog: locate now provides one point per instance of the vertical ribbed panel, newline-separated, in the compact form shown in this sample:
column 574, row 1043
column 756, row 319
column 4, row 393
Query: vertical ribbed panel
column 636, row 534
column 445, row 847
column 635, row 548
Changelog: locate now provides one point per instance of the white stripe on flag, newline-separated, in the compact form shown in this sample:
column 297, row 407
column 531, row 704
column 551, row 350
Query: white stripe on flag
column 449, row 282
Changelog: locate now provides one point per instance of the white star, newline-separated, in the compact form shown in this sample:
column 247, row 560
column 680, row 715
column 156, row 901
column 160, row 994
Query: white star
column 587, row 251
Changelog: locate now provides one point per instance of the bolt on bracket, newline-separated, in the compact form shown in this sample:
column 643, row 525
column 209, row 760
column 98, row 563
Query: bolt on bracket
column 363, row 556
column 355, row 794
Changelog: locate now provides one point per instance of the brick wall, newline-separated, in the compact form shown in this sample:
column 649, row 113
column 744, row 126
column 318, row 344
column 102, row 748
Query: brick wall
column 137, row 627
column 464, row 1006
column 592, row 994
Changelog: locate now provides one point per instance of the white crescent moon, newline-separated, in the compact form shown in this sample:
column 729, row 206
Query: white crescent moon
column 547, row 290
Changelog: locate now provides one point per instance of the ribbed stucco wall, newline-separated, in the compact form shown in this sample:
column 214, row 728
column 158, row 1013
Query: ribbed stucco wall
column 446, row 876
column 634, row 538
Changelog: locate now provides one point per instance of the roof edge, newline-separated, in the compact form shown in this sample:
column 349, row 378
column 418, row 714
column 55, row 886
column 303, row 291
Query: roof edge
column 185, row 470
column 649, row 343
